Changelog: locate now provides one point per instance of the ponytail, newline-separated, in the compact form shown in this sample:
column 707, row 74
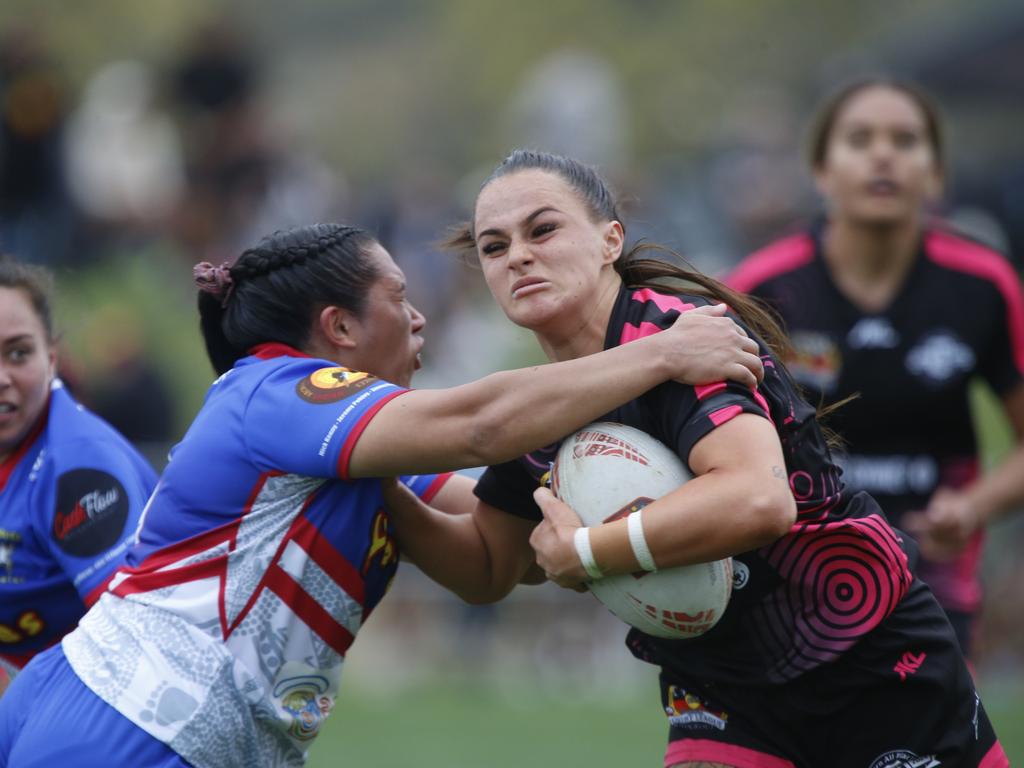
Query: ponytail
column 219, row 350
column 658, row 273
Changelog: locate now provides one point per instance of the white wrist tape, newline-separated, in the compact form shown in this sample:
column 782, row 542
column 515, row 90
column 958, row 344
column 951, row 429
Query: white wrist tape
column 581, row 540
column 637, row 540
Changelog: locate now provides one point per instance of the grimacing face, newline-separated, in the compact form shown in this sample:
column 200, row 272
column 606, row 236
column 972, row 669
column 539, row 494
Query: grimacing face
column 879, row 165
column 27, row 366
column 541, row 252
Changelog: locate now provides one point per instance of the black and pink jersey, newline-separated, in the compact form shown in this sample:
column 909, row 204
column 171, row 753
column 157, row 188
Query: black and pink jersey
column 958, row 315
column 797, row 603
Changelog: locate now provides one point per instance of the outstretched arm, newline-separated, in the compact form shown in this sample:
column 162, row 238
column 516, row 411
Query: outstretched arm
column 507, row 414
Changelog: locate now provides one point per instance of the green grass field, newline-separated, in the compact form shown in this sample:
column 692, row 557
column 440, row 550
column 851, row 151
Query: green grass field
column 451, row 726
column 467, row 726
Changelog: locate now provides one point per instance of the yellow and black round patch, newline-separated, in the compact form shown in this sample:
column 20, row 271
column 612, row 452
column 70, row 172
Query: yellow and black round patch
column 329, row 385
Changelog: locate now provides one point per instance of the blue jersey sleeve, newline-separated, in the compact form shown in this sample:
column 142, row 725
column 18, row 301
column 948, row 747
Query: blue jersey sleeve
column 425, row 486
column 91, row 510
column 306, row 419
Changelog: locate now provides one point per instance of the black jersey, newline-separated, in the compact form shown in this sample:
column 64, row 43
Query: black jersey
column 959, row 314
column 796, row 603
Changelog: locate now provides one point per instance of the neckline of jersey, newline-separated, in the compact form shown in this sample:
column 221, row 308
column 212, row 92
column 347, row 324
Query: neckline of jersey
column 270, row 350
column 909, row 279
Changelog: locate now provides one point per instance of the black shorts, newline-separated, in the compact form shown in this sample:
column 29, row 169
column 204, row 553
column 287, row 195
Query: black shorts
column 901, row 698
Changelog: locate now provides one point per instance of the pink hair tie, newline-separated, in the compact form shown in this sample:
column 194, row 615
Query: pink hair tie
column 215, row 281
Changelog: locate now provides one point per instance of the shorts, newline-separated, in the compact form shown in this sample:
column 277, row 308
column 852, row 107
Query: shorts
column 48, row 717
column 901, row 697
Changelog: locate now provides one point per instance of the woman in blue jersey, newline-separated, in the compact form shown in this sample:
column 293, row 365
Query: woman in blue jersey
column 868, row 297
column 830, row 651
column 71, row 488
column 266, row 543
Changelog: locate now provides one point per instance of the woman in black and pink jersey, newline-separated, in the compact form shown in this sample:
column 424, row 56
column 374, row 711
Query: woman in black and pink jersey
column 830, row 652
column 883, row 302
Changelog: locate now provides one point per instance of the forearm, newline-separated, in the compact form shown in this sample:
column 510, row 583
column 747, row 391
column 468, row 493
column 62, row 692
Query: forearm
column 517, row 411
column 504, row 415
column 997, row 492
column 709, row 518
column 739, row 500
column 449, row 548
column 508, row 414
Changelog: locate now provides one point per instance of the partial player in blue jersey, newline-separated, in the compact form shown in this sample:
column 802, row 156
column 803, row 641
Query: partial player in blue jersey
column 268, row 541
column 71, row 488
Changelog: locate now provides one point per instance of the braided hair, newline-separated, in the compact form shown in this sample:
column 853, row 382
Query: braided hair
column 273, row 291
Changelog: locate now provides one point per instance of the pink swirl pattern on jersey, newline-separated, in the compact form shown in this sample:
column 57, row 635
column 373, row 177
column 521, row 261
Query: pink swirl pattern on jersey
column 814, row 500
column 841, row 580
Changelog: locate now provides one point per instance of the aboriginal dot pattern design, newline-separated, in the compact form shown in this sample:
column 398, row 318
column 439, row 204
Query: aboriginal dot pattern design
column 210, row 697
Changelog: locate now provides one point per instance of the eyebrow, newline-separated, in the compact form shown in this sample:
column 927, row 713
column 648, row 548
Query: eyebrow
column 865, row 122
column 531, row 217
column 16, row 338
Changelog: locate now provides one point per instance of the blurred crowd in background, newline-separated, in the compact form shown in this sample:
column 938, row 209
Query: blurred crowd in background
column 134, row 143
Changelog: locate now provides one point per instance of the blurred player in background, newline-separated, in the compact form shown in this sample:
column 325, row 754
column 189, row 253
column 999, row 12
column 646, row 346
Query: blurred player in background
column 830, row 651
column 883, row 302
column 266, row 543
column 71, row 488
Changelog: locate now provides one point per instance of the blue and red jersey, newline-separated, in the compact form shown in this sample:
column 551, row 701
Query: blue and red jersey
column 258, row 560
column 70, row 499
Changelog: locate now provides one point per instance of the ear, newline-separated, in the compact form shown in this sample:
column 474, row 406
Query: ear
column 51, row 354
column 339, row 327
column 614, row 240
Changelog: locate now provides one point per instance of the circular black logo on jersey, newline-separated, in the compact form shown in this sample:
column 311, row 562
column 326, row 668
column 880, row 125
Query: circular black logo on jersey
column 92, row 507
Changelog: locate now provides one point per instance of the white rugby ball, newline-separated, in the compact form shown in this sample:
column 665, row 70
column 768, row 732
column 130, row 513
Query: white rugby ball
column 606, row 471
